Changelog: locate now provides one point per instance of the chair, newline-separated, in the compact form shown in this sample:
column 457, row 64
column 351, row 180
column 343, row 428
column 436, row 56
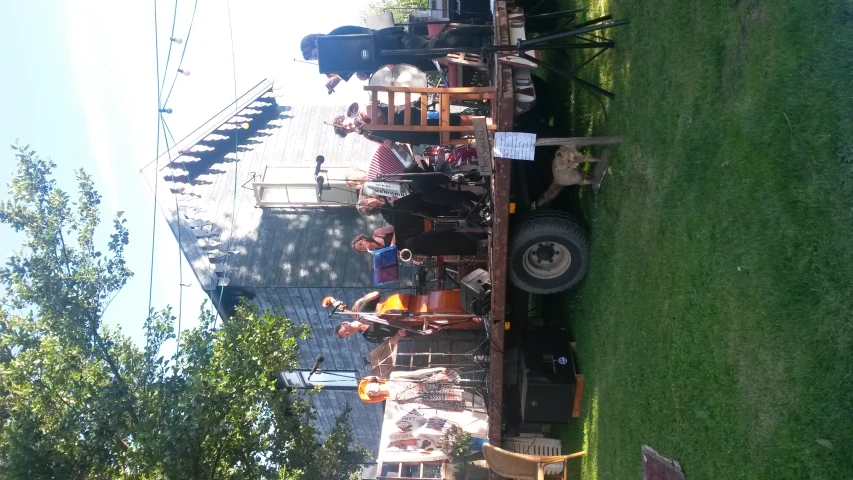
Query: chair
column 536, row 444
column 445, row 96
column 523, row 467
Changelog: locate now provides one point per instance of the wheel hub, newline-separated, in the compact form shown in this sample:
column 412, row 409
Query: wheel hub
column 547, row 259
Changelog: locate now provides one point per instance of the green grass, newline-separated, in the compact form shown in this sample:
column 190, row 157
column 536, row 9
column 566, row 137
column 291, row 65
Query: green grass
column 716, row 323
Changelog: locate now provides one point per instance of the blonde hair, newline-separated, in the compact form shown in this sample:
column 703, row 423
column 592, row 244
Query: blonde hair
column 355, row 177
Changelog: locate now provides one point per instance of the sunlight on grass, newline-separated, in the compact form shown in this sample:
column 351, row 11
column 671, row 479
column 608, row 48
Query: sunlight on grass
column 590, row 441
column 754, row 363
column 598, row 8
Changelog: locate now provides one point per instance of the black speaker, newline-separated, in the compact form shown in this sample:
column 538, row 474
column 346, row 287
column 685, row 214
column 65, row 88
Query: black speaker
column 475, row 292
column 470, row 11
column 346, row 53
column 547, row 374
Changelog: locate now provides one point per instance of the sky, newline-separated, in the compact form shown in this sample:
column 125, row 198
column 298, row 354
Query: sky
column 78, row 78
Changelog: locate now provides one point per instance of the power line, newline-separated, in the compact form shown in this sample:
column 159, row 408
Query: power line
column 181, row 61
column 236, row 153
column 156, row 155
column 166, row 132
column 169, row 54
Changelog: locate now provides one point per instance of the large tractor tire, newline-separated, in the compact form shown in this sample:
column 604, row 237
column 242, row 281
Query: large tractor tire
column 548, row 252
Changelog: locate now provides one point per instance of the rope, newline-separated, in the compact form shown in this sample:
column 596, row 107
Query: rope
column 236, row 153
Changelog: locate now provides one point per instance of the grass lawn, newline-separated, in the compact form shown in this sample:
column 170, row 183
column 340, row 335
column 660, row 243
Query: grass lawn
column 716, row 323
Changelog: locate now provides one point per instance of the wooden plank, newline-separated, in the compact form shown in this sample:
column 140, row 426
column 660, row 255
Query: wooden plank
column 269, row 264
column 427, row 128
column 578, row 141
column 374, row 102
column 343, row 237
column 391, row 110
column 299, row 154
column 298, row 304
column 308, row 251
column 337, row 244
column 444, row 118
column 483, row 145
column 323, row 130
column 407, row 113
column 301, row 226
column 282, row 264
column 321, row 326
column 471, row 96
column 424, row 108
column 376, row 89
column 288, row 305
column 261, row 251
column 444, row 114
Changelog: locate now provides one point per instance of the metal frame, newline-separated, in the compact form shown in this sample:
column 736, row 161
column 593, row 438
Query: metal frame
column 304, row 373
column 545, row 43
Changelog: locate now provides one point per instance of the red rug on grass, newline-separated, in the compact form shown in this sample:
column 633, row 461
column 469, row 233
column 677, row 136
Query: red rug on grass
column 657, row 467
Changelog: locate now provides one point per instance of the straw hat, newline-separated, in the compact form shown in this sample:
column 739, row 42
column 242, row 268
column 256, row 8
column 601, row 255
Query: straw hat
column 362, row 390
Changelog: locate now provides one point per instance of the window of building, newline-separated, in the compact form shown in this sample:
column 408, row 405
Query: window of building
column 422, row 470
column 328, row 379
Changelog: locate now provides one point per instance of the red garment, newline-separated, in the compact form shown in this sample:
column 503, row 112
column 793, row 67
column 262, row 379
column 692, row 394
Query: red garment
column 458, row 156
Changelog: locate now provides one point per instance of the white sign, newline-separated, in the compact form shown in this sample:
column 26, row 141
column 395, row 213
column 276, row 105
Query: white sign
column 515, row 145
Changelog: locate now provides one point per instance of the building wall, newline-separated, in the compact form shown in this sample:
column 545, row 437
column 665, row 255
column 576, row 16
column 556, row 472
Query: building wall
column 288, row 260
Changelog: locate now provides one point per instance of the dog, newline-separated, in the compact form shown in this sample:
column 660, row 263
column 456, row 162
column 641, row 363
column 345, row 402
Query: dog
column 565, row 169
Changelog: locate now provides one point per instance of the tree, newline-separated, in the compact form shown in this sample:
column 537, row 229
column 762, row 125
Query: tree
column 79, row 400
column 400, row 9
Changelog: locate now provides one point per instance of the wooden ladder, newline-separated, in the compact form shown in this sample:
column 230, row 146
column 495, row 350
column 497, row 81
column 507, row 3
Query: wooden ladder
column 445, row 97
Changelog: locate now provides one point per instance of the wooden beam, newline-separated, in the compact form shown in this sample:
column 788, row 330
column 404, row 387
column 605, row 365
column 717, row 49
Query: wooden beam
column 429, row 128
column 407, row 114
column 483, row 145
column 444, row 117
column 578, row 141
column 374, row 104
column 471, row 96
column 503, row 112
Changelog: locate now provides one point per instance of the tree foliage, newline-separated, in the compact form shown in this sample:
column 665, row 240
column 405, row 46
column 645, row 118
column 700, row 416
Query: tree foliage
column 400, row 9
column 79, row 400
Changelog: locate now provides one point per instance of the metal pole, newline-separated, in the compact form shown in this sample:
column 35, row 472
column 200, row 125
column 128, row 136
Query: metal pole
column 530, row 44
column 581, row 81
column 563, row 13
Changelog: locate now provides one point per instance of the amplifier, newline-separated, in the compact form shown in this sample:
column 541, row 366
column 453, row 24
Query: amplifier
column 475, row 292
column 547, row 377
column 346, row 53
column 470, row 11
